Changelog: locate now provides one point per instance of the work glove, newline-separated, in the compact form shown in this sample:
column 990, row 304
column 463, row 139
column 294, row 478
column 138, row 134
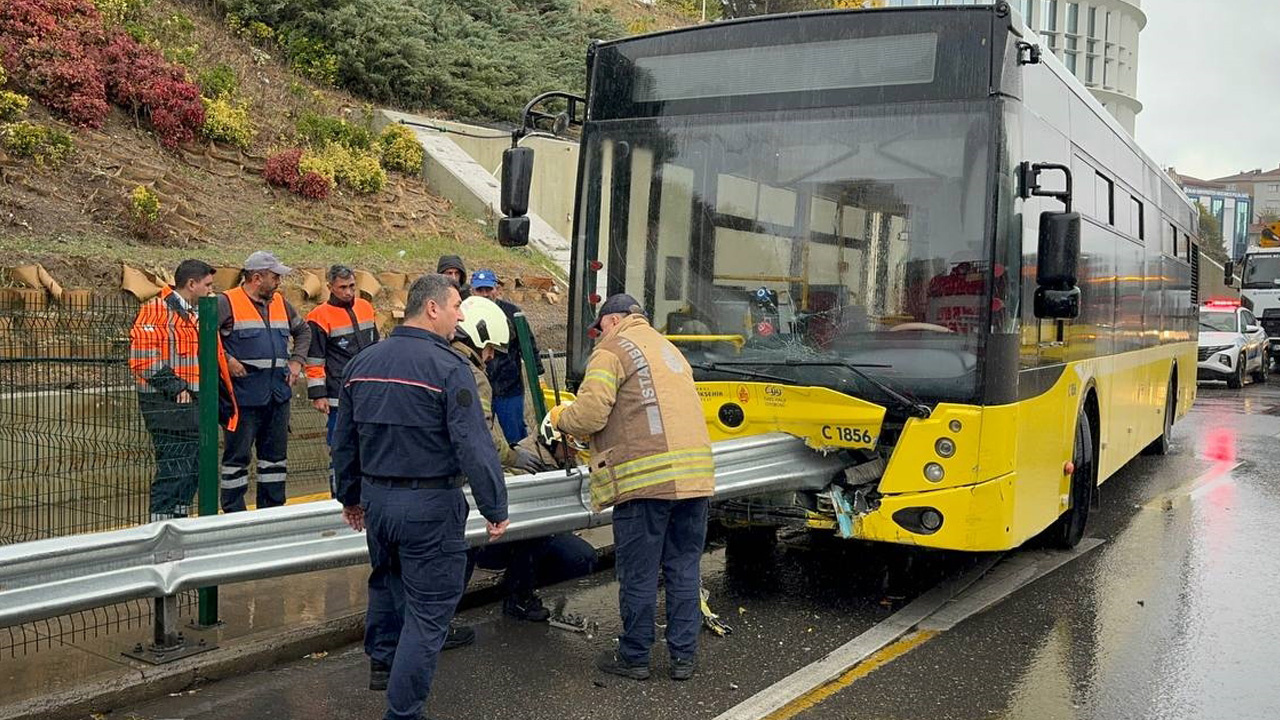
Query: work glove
column 528, row 462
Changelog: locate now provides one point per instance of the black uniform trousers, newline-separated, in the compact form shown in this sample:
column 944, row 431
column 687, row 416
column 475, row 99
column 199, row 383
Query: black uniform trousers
column 649, row 535
column 530, row 564
column 418, row 552
column 175, row 435
column 266, row 428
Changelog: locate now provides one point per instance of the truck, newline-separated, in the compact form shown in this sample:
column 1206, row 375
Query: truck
column 1260, row 285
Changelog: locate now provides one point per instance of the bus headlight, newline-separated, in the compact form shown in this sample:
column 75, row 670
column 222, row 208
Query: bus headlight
column 945, row 447
column 954, row 425
column 933, row 472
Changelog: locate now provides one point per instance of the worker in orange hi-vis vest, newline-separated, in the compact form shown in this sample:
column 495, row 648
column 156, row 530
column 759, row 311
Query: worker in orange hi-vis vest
column 164, row 354
column 341, row 326
column 256, row 324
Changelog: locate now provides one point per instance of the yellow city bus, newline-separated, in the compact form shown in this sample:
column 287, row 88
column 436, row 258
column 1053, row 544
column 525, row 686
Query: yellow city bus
column 909, row 236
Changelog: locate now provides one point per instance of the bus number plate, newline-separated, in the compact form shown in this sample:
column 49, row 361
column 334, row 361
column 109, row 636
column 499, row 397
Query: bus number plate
column 846, row 434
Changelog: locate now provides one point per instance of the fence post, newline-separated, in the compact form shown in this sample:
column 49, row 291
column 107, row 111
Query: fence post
column 208, row 462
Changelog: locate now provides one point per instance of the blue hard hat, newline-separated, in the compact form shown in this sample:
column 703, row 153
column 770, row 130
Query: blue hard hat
column 484, row 279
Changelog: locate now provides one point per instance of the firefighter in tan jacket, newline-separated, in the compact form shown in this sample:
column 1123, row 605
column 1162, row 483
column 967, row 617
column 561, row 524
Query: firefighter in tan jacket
column 651, row 460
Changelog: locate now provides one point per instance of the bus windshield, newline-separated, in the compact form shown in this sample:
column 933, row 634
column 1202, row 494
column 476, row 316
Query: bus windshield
column 797, row 243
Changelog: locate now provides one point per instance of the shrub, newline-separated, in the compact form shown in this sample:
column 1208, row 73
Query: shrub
column 362, row 172
column 228, row 122
column 281, row 169
column 325, row 165
column 144, row 205
column 117, row 12
column 312, row 59
column 462, row 56
column 12, row 105
column 218, row 81
column 318, row 131
column 60, row 73
column 314, row 186
column 401, row 150
column 140, row 79
column 44, row 145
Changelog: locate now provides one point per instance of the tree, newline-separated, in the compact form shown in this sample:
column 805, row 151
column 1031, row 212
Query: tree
column 1211, row 236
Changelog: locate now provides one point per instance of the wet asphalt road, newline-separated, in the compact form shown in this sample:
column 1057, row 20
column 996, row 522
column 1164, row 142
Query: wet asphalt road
column 1174, row 616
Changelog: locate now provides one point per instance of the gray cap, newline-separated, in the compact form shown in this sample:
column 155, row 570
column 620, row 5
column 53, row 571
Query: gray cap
column 263, row 260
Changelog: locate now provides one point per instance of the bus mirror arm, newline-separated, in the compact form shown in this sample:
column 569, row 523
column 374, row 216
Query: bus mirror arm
column 1029, row 182
column 517, row 162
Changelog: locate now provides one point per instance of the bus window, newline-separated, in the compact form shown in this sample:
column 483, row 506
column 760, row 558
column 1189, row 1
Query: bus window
column 1104, row 199
column 1136, row 225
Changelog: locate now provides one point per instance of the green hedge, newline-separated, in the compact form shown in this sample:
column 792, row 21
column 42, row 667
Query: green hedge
column 472, row 58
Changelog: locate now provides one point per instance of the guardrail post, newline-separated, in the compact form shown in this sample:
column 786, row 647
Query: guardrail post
column 208, row 460
column 167, row 644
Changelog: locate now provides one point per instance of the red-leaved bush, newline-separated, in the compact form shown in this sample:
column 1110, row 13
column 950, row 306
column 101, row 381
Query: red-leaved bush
column 62, row 76
column 314, row 186
column 281, row 169
column 141, row 80
column 60, row 53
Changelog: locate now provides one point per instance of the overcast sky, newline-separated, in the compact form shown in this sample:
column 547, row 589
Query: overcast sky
column 1209, row 81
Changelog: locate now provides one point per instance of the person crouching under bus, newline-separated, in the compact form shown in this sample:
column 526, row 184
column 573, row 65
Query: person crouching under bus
column 483, row 333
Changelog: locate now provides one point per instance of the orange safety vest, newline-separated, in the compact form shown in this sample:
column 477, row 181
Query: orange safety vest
column 262, row 346
column 164, row 338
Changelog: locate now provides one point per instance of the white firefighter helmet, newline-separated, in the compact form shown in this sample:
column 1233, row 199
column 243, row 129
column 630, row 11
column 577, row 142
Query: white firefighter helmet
column 549, row 434
column 485, row 324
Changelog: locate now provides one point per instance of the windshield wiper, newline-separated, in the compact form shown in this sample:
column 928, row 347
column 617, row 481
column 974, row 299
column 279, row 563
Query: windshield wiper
column 909, row 405
column 716, row 367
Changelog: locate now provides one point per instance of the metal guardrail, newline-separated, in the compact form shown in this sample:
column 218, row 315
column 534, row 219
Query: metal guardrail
column 46, row 578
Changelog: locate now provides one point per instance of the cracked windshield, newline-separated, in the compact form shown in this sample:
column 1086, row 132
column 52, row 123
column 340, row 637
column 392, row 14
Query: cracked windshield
column 791, row 246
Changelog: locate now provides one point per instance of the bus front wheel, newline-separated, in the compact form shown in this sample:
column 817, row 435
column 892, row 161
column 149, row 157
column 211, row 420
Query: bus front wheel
column 1067, row 531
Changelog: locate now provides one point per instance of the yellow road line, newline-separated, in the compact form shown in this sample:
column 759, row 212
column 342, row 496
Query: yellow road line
column 884, row 656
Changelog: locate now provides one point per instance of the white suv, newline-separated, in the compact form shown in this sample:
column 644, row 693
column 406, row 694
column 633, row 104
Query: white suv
column 1232, row 345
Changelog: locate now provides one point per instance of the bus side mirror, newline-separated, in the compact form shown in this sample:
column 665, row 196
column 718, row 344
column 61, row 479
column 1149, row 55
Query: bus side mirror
column 513, row 231
column 1057, row 296
column 517, row 177
column 1229, row 274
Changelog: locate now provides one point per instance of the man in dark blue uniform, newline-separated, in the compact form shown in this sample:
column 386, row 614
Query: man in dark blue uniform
column 410, row 433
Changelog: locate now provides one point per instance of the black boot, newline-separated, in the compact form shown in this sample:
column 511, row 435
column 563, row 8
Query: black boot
column 529, row 608
column 608, row 661
column 459, row 636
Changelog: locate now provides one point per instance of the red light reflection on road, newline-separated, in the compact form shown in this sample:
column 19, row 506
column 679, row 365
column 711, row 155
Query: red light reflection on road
column 1220, row 446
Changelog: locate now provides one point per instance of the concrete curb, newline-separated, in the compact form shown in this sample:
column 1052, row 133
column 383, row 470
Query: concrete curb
column 236, row 658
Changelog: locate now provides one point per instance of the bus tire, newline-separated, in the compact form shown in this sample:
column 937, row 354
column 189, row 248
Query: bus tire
column 750, row 545
column 1067, row 531
column 1160, row 446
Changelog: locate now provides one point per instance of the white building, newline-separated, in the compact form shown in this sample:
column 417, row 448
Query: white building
column 1096, row 39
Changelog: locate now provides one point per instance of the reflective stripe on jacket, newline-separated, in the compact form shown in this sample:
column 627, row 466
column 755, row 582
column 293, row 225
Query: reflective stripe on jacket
column 337, row 334
column 640, row 408
column 262, row 346
column 164, row 352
